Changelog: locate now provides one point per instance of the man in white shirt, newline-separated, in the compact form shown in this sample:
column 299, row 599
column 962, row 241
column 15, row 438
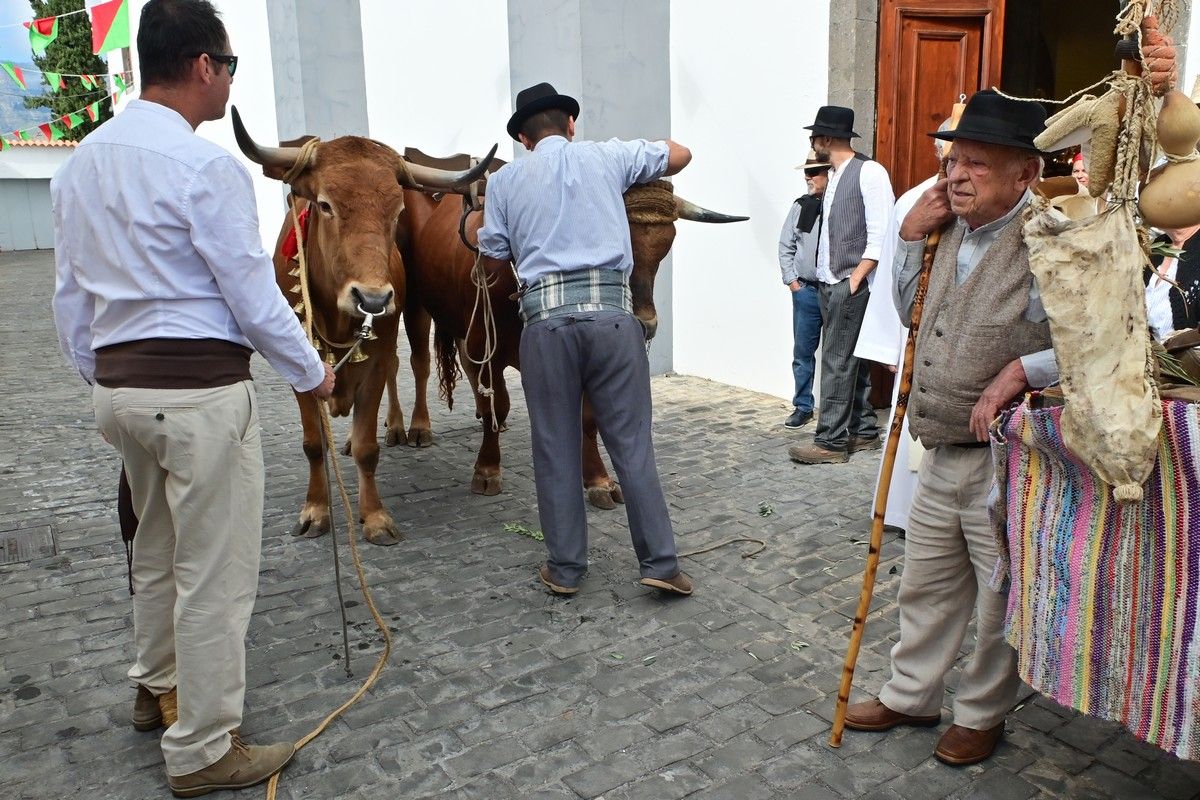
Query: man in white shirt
column 856, row 218
column 162, row 290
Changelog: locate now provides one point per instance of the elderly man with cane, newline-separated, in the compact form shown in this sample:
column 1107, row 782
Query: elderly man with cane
column 983, row 340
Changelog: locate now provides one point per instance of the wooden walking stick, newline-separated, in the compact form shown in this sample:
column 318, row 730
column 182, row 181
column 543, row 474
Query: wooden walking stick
column 885, row 473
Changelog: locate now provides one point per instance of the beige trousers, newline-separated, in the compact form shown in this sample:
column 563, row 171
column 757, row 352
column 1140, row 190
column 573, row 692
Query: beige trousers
column 194, row 460
column 949, row 555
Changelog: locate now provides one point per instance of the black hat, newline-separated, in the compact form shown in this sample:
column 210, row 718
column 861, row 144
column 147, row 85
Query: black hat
column 992, row 118
column 835, row 121
column 536, row 99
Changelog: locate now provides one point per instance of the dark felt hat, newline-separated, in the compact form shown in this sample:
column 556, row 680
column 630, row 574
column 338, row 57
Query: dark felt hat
column 992, row 118
column 835, row 121
column 536, row 99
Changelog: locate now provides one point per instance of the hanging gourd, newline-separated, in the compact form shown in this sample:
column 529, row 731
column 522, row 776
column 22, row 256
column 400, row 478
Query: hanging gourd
column 1171, row 196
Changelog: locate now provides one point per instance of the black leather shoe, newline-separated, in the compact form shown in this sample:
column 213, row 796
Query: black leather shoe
column 798, row 419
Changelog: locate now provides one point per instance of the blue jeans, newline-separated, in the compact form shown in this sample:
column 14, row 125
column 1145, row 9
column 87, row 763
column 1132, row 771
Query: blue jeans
column 806, row 335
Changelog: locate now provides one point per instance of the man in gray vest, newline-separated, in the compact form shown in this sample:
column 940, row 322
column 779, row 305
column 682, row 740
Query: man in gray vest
column 983, row 339
column 857, row 212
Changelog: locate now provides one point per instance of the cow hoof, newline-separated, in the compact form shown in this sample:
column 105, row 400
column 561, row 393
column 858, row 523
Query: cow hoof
column 311, row 526
column 420, row 437
column 382, row 531
column 347, row 448
column 488, row 485
column 605, row 498
column 392, row 437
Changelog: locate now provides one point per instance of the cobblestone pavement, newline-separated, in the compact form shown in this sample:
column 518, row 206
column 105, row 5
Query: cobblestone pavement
column 496, row 689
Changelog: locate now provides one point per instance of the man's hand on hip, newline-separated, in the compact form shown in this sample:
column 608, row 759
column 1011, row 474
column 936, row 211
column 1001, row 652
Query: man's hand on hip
column 1004, row 387
column 931, row 213
column 795, row 286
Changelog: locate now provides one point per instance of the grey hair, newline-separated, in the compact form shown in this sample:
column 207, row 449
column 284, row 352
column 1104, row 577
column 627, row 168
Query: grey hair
column 939, row 145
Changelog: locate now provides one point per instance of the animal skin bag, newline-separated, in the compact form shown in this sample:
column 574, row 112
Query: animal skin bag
column 1089, row 273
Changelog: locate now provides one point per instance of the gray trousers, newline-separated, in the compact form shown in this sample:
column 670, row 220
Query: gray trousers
column 845, row 380
column 601, row 353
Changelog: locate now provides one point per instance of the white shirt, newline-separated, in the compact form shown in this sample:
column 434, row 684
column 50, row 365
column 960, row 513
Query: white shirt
column 156, row 236
column 1158, row 300
column 882, row 335
column 876, row 188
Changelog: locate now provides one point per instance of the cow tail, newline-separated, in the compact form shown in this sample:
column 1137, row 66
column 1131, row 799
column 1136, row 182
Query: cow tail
column 446, row 348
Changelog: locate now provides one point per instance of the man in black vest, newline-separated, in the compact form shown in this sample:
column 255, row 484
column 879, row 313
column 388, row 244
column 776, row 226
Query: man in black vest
column 855, row 225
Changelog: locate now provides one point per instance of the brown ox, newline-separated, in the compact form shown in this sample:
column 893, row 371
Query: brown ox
column 439, row 284
column 354, row 190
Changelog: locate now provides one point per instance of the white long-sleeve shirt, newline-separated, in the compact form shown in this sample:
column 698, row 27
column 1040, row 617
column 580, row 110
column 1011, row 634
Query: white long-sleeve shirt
column 878, row 199
column 156, row 236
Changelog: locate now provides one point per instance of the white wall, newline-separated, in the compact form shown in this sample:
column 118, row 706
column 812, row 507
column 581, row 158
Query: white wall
column 745, row 79
column 1189, row 71
column 33, row 162
column 437, row 74
column 253, row 93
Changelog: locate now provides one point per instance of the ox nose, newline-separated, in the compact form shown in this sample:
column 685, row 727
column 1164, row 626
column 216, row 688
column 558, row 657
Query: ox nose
column 372, row 301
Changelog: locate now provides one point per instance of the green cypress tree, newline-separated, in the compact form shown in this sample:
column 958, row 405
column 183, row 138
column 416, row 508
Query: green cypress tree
column 71, row 52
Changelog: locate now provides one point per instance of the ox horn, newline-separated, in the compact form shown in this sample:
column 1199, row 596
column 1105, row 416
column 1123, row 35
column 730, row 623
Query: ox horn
column 695, row 213
column 444, row 179
column 276, row 161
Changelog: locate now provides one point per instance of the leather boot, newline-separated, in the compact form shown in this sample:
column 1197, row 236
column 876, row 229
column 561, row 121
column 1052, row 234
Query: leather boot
column 244, row 765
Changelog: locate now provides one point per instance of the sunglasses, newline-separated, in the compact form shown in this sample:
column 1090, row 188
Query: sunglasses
column 229, row 61
column 812, row 173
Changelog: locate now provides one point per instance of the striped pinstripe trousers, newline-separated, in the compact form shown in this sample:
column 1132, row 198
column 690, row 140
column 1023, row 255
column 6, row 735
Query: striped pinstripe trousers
column 845, row 380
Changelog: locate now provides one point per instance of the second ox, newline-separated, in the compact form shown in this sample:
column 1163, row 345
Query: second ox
column 350, row 192
column 434, row 235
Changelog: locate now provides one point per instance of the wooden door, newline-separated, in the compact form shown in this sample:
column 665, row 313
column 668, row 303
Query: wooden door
column 930, row 53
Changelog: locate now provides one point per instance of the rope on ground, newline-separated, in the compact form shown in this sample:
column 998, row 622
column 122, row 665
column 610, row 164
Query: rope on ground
column 751, row 554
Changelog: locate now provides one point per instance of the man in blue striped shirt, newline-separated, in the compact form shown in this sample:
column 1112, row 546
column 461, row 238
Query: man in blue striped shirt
column 558, row 215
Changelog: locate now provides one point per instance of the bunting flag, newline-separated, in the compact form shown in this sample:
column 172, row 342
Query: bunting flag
column 73, row 120
column 15, row 73
column 54, row 80
column 93, row 111
column 110, row 26
column 51, row 131
column 4, row 145
column 41, row 33
column 89, row 81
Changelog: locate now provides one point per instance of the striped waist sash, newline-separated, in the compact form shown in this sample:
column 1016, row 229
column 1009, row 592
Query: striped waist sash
column 579, row 290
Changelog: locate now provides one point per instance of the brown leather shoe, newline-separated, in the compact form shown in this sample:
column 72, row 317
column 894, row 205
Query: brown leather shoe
column 873, row 715
column 680, row 584
column 813, row 453
column 960, row 746
column 147, row 716
column 244, row 765
column 548, row 580
column 858, row 443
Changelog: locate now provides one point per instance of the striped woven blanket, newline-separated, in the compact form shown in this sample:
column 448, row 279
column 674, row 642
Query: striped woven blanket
column 1103, row 598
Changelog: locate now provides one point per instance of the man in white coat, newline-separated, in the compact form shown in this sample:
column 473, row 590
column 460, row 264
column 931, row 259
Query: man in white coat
column 882, row 339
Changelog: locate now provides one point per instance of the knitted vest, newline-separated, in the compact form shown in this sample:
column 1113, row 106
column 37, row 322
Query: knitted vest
column 969, row 333
column 847, row 220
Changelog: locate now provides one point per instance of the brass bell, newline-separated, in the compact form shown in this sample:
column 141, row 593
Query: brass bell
column 358, row 356
column 330, row 358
